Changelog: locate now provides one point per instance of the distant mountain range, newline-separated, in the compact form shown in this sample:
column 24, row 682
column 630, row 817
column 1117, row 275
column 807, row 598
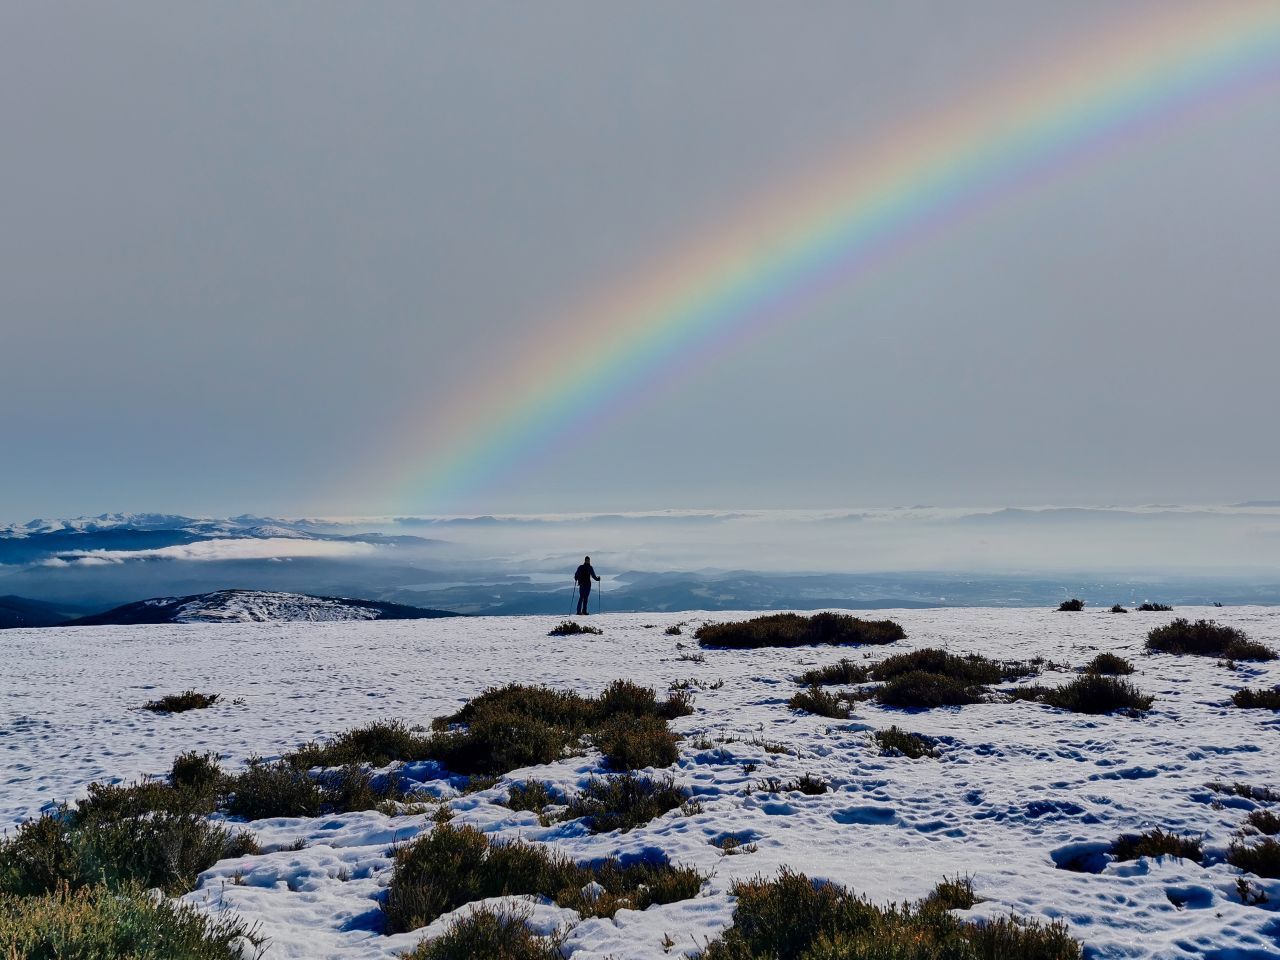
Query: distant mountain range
column 250, row 606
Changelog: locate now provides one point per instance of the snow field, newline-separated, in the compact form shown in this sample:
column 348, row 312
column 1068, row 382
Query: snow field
column 1015, row 785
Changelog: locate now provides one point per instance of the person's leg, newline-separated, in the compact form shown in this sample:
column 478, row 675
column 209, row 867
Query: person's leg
column 582, row 599
column 585, row 599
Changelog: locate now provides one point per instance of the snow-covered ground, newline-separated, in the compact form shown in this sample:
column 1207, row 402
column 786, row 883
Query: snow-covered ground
column 263, row 606
column 1016, row 782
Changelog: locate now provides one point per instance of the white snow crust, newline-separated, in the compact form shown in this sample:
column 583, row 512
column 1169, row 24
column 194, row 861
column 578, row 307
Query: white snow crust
column 265, row 606
column 1015, row 784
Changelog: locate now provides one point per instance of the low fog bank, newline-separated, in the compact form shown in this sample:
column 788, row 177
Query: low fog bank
column 676, row 560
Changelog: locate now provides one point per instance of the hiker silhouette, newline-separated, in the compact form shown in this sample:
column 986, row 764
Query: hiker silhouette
column 584, row 575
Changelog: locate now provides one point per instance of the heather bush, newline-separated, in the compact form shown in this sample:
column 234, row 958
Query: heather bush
column 1088, row 693
column 1109, row 664
column 624, row 801
column 451, row 866
column 794, row 630
column 491, row 934
column 181, row 702
column 845, row 671
column 792, row 918
column 1158, row 843
column 1073, row 605
column 1261, row 857
column 1205, row 638
column 898, row 742
column 1149, row 607
column 104, row 923
column 1264, row 699
column 571, row 628
column 819, row 701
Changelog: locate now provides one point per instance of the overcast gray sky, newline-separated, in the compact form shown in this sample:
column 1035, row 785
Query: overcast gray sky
column 238, row 241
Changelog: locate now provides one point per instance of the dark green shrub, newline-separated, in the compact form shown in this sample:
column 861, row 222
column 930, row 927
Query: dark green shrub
column 623, row 801
column 846, row 672
column 791, row 918
column 99, row 923
column 1089, row 693
column 199, row 772
column 376, row 744
column 531, row 795
column 794, row 630
column 923, row 690
column 1158, row 843
column 570, row 628
column 1261, row 857
column 1149, row 607
column 1205, row 638
column 809, row 785
column 450, row 866
column 1073, row 605
column 1108, row 664
column 159, row 850
column 488, row 933
column 632, row 743
column 498, row 741
column 1117, row 608
column 181, row 702
column 969, row 669
column 113, row 801
column 1264, row 821
column 819, row 701
column 1257, row 699
column 1259, row 794
column 673, row 630
column 897, row 742
column 277, row 789
column 517, row 726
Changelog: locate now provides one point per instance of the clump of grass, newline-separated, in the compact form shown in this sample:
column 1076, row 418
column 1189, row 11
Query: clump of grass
column 1074, row 605
column 1263, row 699
column 1158, row 843
column 571, row 627
column 845, row 671
column 534, row 795
column 1089, row 693
column 1117, row 608
column 1261, row 857
column 1205, row 638
column 791, row 918
column 809, row 785
column 485, row 932
column 674, row 630
column 898, row 742
column 1149, row 607
column 954, row 894
column 376, row 744
column 819, row 701
column 1264, row 822
column 1110, row 665
column 624, row 801
column 125, row 921
column 451, row 866
column 794, row 630
column 163, row 850
column 181, row 702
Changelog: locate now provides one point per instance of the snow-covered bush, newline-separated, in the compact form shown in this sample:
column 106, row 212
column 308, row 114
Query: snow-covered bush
column 451, row 866
column 624, row 801
column 1261, row 857
column 1158, row 843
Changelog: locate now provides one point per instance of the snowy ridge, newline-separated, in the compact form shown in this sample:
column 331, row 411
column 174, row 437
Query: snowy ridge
column 252, row 606
column 1016, row 783
column 259, row 606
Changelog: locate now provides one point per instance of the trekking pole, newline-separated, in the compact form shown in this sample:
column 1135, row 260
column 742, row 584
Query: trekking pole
column 600, row 601
column 573, row 601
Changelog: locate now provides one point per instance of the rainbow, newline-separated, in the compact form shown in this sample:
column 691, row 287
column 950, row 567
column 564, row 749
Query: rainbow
column 827, row 230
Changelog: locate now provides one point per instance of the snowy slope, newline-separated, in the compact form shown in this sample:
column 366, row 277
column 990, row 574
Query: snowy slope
column 253, row 606
column 1016, row 781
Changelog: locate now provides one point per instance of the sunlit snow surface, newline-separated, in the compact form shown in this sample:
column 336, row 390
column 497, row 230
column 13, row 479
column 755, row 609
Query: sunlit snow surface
column 1016, row 781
